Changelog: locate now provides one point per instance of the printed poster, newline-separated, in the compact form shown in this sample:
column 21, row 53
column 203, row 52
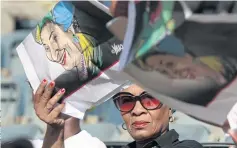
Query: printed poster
column 74, row 49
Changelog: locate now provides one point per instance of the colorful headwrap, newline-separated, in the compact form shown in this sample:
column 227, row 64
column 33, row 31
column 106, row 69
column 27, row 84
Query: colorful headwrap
column 61, row 14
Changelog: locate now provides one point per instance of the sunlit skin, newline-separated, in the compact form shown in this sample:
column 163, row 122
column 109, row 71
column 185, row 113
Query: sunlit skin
column 182, row 67
column 143, row 124
column 59, row 46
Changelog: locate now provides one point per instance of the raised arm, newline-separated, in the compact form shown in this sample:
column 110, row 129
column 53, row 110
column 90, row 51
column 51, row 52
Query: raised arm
column 44, row 108
column 62, row 130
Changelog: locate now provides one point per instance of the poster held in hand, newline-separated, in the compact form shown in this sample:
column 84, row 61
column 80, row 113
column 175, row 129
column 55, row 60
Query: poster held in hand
column 74, row 49
column 183, row 65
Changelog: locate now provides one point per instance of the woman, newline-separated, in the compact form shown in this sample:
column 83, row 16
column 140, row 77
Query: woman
column 146, row 119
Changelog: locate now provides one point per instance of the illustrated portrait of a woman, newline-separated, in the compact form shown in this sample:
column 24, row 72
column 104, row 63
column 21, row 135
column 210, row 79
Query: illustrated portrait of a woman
column 78, row 42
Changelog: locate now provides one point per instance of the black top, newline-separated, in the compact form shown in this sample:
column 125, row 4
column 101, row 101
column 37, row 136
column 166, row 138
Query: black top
column 167, row 140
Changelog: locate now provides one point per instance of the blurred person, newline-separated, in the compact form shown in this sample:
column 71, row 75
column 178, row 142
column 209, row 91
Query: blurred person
column 5, row 62
column 12, row 73
column 145, row 117
column 21, row 113
column 32, row 10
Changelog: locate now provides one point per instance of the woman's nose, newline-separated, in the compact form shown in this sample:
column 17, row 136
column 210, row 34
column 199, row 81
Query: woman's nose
column 138, row 109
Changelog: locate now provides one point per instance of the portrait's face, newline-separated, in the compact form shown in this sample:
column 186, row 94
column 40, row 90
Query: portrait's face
column 182, row 67
column 60, row 46
column 142, row 123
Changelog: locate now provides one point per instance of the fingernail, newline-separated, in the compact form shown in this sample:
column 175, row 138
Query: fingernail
column 44, row 81
column 62, row 90
column 51, row 84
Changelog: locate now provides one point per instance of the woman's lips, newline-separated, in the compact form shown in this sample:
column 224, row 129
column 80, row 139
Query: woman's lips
column 140, row 124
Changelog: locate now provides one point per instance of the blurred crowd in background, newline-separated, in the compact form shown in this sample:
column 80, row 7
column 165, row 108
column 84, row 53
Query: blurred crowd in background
column 18, row 19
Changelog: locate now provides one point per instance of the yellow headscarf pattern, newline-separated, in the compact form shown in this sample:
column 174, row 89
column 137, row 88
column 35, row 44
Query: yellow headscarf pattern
column 213, row 62
column 87, row 48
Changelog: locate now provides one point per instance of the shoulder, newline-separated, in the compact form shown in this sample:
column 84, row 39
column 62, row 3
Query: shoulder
column 83, row 140
column 188, row 144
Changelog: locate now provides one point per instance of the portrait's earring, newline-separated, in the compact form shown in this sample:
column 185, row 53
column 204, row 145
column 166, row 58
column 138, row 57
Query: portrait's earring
column 75, row 38
column 124, row 126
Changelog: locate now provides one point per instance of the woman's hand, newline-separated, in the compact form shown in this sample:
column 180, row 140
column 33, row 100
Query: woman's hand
column 44, row 105
column 45, row 109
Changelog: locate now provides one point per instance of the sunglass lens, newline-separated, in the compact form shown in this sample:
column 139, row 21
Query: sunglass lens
column 150, row 103
column 125, row 103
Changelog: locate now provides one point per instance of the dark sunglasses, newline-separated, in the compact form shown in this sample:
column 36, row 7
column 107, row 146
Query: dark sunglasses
column 125, row 102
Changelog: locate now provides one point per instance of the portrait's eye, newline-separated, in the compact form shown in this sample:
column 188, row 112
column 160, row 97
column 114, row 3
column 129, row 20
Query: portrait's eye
column 55, row 38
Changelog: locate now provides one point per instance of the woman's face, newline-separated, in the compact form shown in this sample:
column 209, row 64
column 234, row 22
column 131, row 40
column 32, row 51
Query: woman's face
column 60, row 46
column 182, row 67
column 143, row 124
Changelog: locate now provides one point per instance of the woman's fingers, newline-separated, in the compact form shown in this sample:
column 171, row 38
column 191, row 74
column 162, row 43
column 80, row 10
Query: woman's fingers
column 44, row 104
column 47, row 94
column 56, row 111
column 39, row 92
column 59, row 122
column 54, row 99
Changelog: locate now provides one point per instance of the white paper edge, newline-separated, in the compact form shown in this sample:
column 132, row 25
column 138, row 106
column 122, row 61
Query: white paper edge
column 127, row 43
column 187, row 11
column 28, row 66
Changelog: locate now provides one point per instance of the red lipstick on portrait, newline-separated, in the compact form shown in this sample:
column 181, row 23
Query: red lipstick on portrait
column 140, row 124
column 64, row 59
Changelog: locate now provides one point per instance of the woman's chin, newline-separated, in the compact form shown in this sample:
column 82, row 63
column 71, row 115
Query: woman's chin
column 141, row 134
